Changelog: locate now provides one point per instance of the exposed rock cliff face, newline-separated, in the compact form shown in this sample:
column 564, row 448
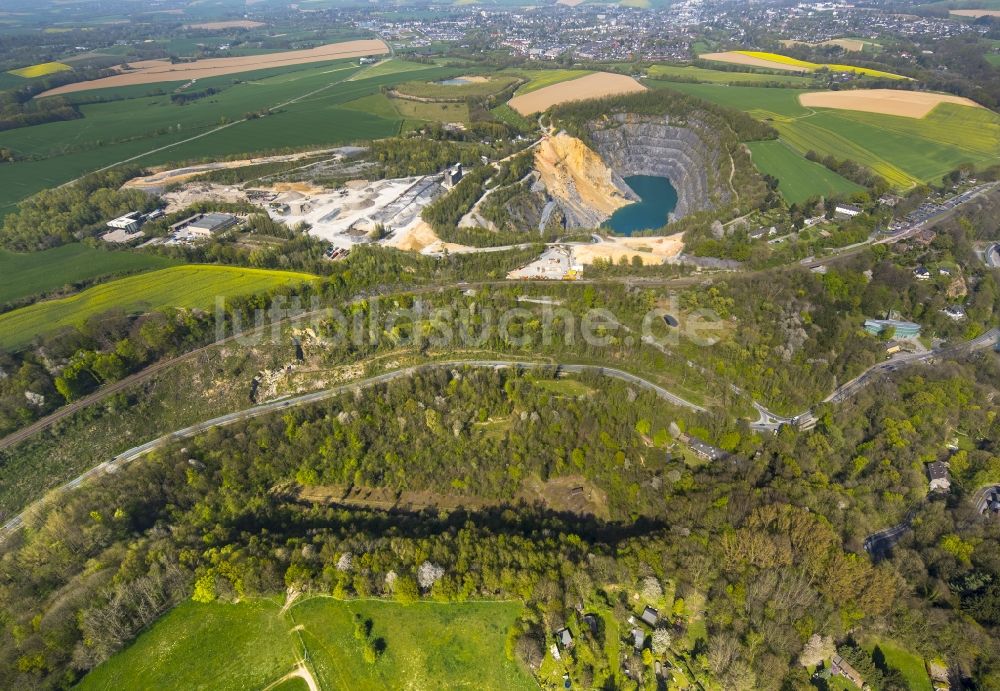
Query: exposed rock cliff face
column 586, row 189
column 653, row 145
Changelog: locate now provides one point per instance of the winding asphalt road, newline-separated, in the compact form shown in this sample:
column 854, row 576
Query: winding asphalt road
column 114, row 464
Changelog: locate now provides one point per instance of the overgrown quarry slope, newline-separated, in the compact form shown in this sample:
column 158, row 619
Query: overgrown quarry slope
column 696, row 145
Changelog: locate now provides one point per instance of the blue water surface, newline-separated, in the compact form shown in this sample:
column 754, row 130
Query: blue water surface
column 658, row 198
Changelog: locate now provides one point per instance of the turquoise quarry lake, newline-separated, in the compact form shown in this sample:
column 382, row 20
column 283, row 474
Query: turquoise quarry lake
column 658, row 199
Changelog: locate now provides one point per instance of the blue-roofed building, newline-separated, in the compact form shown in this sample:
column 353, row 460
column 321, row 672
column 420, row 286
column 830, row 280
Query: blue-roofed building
column 900, row 329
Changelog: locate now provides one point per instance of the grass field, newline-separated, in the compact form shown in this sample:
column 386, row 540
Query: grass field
column 474, row 89
column 905, row 151
column 383, row 106
column 539, row 79
column 189, row 286
column 432, row 111
column 24, row 275
column 911, row 665
column 668, row 72
column 428, row 645
column 115, row 131
column 41, row 70
column 798, row 178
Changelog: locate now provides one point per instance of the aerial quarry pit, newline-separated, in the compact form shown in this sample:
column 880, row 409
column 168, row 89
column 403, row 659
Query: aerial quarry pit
column 582, row 182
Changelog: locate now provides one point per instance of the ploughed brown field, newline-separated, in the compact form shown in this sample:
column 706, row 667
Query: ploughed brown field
column 152, row 71
column 909, row 104
column 594, row 85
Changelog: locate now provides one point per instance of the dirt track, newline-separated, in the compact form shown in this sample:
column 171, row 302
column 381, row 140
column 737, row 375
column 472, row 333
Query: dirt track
column 909, row 104
column 153, row 71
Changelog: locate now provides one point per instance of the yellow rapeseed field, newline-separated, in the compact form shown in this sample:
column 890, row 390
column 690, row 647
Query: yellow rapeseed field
column 41, row 70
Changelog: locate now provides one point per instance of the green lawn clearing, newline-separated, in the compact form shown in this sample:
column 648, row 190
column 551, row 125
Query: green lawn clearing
column 686, row 72
column 798, row 178
column 475, row 87
column 35, row 273
column 190, row 286
column 898, row 657
column 539, row 79
column 426, row 645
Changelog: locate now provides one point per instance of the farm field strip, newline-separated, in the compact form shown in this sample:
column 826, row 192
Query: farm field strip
column 911, row 104
column 24, row 275
column 151, row 71
column 539, row 79
column 905, row 151
column 798, row 178
column 665, row 72
column 188, row 286
column 41, row 70
column 596, row 85
column 63, row 151
column 756, row 58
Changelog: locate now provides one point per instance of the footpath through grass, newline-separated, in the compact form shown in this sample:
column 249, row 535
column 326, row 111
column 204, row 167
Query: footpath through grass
column 427, row 645
column 189, row 286
column 34, row 273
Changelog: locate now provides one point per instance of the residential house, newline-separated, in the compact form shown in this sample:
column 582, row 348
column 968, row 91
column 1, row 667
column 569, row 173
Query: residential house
column 937, row 473
column 847, row 210
column 844, row 668
column 956, row 312
column 638, row 638
column 565, row 638
column 649, row 616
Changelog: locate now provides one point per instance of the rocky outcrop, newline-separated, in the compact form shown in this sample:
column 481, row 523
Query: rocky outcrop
column 654, row 145
column 586, row 189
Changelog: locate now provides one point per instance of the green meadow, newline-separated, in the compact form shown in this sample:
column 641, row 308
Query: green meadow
column 476, row 89
column 539, row 79
column 427, row 645
column 25, row 275
column 308, row 102
column 188, row 286
column 700, row 74
column 798, row 178
column 905, row 151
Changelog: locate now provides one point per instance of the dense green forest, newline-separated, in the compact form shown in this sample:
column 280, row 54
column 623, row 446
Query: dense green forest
column 712, row 545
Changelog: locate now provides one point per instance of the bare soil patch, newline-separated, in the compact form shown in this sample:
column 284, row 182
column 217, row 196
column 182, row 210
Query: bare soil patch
column 910, row 104
column 415, row 238
column 152, row 71
column 595, row 85
column 975, row 14
column 740, row 59
column 651, row 250
column 573, row 494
